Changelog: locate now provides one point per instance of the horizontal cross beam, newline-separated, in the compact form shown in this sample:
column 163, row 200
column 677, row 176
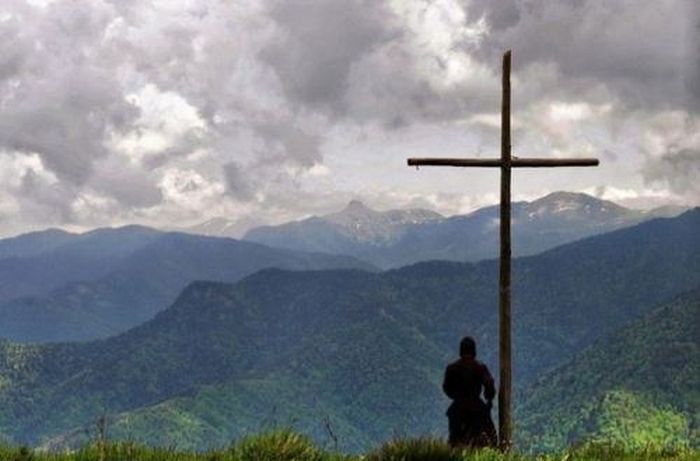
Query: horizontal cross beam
column 515, row 162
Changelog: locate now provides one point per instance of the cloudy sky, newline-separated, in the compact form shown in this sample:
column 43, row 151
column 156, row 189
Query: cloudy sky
column 171, row 112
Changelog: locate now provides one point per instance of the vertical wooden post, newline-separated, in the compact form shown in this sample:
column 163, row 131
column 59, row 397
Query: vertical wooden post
column 504, row 391
column 506, row 163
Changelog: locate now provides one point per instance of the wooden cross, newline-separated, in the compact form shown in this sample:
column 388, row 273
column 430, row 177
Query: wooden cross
column 505, row 163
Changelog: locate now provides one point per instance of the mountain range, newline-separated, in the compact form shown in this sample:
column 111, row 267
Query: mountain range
column 360, row 351
column 400, row 237
column 59, row 286
column 36, row 263
column 636, row 387
column 56, row 286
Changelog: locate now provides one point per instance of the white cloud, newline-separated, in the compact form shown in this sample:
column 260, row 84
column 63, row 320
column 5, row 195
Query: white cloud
column 561, row 111
column 165, row 121
column 189, row 189
column 318, row 170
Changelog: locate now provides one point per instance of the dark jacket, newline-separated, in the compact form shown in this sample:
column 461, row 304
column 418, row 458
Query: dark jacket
column 465, row 380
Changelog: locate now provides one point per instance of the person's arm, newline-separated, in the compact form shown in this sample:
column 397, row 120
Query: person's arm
column 489, row 387
column 448, row 384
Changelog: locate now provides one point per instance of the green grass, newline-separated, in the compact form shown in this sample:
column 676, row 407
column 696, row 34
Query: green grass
column 284, row 445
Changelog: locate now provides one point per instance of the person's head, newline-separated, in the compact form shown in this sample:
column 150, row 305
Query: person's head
column 467, row 347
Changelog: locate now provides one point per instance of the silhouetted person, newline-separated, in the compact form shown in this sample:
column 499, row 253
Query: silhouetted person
column 469, row 417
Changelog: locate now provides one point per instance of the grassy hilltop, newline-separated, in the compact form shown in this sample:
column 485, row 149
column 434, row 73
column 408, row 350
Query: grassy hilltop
column 285, row 445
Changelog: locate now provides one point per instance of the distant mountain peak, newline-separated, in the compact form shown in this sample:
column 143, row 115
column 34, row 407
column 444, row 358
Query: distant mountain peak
column 390, row 238
column 573, row 202
column 355, row 206
column 126, row 229
column 562, row 194
column 566, row 196
column 217, row 224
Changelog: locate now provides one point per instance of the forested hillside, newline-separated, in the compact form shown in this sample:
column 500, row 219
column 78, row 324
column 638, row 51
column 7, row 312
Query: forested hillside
column 364, row 350
column 637, row 387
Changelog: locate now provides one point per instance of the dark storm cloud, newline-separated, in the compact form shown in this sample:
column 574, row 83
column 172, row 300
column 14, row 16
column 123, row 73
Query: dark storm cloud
column 360, row 60
column 43, row 200
column 500, row 15
column 692, row 57
column 130, row 185
column 678, row 169
column 58, row 100
column 635, row 49
column 285, row 141
column 57, row 118
column 238, row 183
column 387, row 87
column 319, row 43
column 356, row 59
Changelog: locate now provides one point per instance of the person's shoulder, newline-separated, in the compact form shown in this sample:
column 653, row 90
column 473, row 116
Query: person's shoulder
column 481, row 365
column 453, row 365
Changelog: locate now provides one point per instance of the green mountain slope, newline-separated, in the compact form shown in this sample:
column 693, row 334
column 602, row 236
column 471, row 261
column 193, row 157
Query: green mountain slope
column 640, row 386
column 366, row 349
